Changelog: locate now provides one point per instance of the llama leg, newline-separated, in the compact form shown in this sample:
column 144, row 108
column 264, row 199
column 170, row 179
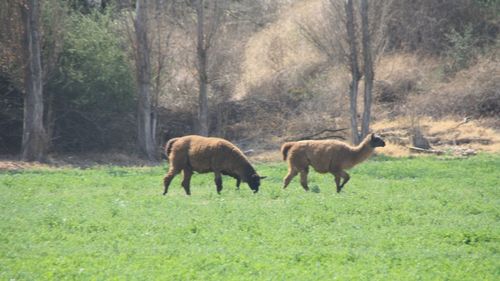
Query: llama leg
column 168, row 178
column 218, row 181
column 238, row 181
column 291, row 174
column 346, row 178
column 187, row 180
column 337, row 182
column 341, row 175
column 303, row 179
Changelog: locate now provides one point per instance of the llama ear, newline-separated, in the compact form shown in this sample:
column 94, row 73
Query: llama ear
column 373, row 136
column 263, row 177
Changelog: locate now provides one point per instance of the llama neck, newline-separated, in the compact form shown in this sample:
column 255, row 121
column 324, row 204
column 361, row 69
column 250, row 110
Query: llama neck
column 245, row 170
column 362, row 151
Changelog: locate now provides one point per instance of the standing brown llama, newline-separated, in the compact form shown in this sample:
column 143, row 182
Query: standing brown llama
column 191, row 154
column 326, row 156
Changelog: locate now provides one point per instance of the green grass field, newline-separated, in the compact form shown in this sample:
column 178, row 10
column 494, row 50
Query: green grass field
column 397, row 219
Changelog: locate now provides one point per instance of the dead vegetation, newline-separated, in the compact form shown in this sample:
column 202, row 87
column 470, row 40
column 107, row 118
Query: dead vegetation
column 444, row 136
column 76, row 160
column 405, row 83
column 474, row 91
column 279, row 87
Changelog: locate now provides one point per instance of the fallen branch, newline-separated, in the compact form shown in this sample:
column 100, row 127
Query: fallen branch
column 422, row 150
column 315, row 136
column 466, row 120
column 248, row 152
column 483, row 141
column 330, row 137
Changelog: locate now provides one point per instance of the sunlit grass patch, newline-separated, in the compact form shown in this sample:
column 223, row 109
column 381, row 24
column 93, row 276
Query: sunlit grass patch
column 397, row 219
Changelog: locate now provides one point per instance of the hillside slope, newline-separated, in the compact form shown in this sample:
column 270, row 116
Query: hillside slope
column 407, row 84
column 279, row 47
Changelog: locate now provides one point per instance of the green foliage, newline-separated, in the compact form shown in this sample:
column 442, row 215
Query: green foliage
column 53, row 24
column 94, row 64
column 462, row 47
column 397, row 219
column 93, row 89
column 489, row 4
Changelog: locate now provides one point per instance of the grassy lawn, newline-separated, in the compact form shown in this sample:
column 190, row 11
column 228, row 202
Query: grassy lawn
column 397, row 219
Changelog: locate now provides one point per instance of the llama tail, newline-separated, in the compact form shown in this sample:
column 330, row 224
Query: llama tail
column 168, row 147
column 285, row 147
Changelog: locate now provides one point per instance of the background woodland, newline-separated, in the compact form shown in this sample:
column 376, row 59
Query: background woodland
column 125, row 76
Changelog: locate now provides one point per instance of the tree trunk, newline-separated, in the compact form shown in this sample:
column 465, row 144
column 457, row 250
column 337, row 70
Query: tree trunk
column 354, row 67
column 146, row 139
column 202, row 72
column 49, row 119
column 368, row 68
column 34, row 136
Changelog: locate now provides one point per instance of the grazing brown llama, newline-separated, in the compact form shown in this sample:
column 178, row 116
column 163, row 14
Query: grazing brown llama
column 201, row 154
column 326, row 156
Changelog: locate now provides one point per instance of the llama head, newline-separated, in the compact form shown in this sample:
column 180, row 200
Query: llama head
column 376, row 141
column 254, row 182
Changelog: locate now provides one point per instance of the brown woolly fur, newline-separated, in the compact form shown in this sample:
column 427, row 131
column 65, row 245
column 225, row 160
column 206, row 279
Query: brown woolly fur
column 285, row 147
column 326, row 156
column 201, row 154
column 168, row 147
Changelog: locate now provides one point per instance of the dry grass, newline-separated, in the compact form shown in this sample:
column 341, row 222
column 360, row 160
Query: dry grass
column 406, row 65
column 279, row 46
column 399, row 77
column 85, row 160
column 444, row 134
column 267, row 156
column 474, row 91
column 414, row 85
column 12, row 165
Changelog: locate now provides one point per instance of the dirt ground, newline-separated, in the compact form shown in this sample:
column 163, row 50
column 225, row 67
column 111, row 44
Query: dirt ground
column 75, row 160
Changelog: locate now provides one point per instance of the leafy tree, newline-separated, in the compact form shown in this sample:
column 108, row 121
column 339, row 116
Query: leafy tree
column 93, row 88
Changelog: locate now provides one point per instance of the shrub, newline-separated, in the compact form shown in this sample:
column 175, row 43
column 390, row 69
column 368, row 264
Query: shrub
column 474, row 91
column 424, row 25
column 462, row 48
column 93, row 88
